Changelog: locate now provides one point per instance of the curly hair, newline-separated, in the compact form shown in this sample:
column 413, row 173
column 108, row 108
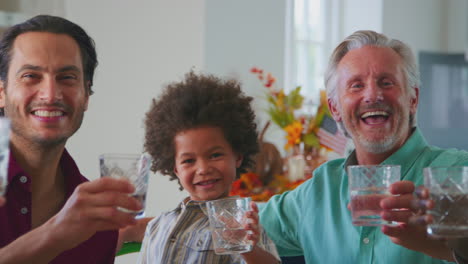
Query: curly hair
column 197, row 101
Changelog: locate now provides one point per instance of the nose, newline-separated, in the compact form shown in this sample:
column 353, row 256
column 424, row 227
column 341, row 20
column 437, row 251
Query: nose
column 373, row 93
column 50, row 91
column 203, row 167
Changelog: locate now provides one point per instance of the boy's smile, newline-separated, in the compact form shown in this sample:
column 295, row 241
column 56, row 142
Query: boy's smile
column 205, row 163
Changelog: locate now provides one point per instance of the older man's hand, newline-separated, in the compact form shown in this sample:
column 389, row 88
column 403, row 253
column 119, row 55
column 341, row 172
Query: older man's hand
column 408, row 211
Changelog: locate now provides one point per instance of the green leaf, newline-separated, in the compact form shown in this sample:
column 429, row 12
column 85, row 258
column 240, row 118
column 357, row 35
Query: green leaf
column 295, row 99
column 280, row 118
column 311, row 140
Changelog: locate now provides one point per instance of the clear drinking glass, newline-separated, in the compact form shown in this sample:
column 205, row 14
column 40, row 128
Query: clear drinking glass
column 4, row 153
column 368, row 185
column 448, row 187
column 227, row 220
column 133, row 167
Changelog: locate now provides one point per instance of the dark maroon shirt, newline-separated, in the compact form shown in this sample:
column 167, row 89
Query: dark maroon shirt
column 15, row 215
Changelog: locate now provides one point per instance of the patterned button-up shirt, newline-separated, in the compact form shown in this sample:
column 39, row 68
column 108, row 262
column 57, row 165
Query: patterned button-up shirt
column 183, row 236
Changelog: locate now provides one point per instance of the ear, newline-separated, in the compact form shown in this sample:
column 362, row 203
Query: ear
column 239, row 160
column 2, row 94
column 87, row 89
column 334, row 110
column 414, row 101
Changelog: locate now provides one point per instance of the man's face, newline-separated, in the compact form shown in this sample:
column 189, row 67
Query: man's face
column 45, row 97
column 372, row 100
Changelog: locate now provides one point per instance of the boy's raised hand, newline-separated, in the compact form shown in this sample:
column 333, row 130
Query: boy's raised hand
column 258, row 254
column 252, row 224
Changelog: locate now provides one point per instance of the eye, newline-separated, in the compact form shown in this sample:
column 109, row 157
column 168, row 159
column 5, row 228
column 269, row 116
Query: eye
column 356, row 85
column 386, row 82
column 188, row 161
column 29, row 76
column 68, row 77
column 216, row 155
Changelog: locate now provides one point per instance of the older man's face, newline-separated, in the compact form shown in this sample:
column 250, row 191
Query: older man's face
column 372, row 100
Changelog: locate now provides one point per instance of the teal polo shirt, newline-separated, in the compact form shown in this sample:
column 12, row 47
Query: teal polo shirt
column 313, row 220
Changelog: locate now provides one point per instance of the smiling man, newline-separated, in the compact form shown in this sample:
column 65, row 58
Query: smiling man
column 373, row 88
column 52, row 213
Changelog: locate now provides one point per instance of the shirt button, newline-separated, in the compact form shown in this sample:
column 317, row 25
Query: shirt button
column 365, row 240
column 23, row 179
column 24, row 210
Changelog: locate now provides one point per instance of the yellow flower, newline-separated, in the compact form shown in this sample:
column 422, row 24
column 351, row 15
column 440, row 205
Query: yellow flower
column 280, row 99
column 294, row 132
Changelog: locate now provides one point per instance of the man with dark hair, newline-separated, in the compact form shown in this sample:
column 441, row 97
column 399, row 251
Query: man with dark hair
column 52, row 213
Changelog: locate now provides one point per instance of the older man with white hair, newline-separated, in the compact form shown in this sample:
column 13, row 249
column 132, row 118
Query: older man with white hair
column 372, row 83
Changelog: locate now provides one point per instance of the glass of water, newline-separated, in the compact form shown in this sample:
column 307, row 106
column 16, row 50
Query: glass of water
column 448, row 188
column 368, row 185
column 132, row 167
column 227, row 220
column 4, row 153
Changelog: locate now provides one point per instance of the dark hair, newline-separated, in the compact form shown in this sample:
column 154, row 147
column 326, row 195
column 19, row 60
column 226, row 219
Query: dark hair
column 51, row 24
column 197, row 101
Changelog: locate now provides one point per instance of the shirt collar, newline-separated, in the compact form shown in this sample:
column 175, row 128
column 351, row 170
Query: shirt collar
column 404, row 156
column 407, row 155
column 70, row 171
column 189, row 204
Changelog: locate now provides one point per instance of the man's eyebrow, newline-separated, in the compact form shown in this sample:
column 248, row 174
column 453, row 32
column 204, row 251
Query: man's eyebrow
column 29, row 67
column 39, row 68
column 69, row 68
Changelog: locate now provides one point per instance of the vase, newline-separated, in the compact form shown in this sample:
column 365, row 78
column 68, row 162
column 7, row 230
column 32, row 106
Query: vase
column 301, row 162
column 296, row 164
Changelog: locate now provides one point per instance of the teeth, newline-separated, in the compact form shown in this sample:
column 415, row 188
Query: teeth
column 44, row 113
column 367, row 114
column 206, row 182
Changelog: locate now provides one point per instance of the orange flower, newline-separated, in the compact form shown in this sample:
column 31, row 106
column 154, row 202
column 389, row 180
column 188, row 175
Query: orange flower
column 294, row 132
column 249, row 185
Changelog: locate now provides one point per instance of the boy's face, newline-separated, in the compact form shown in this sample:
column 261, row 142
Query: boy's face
column 205, row 163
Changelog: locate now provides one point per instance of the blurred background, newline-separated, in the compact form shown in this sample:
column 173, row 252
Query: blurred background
column 145, row 44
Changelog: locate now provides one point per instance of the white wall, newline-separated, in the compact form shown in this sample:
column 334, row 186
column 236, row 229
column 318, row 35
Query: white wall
column 419, row 23
column 457, row 26
column 241, row 34
column 360, row 15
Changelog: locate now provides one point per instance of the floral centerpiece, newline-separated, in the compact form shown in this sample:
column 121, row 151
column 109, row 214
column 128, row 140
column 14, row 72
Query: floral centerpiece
column 282, row 108
column 302, row 141
column 250, row 185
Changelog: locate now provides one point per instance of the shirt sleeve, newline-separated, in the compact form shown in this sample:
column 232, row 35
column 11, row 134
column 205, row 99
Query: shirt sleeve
column 280, row 218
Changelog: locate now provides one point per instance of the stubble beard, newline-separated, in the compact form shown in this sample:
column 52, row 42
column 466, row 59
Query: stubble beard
column 383, row 145
column 37, row 141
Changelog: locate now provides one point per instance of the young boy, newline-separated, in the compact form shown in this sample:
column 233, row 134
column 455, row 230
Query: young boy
column 202, row 133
